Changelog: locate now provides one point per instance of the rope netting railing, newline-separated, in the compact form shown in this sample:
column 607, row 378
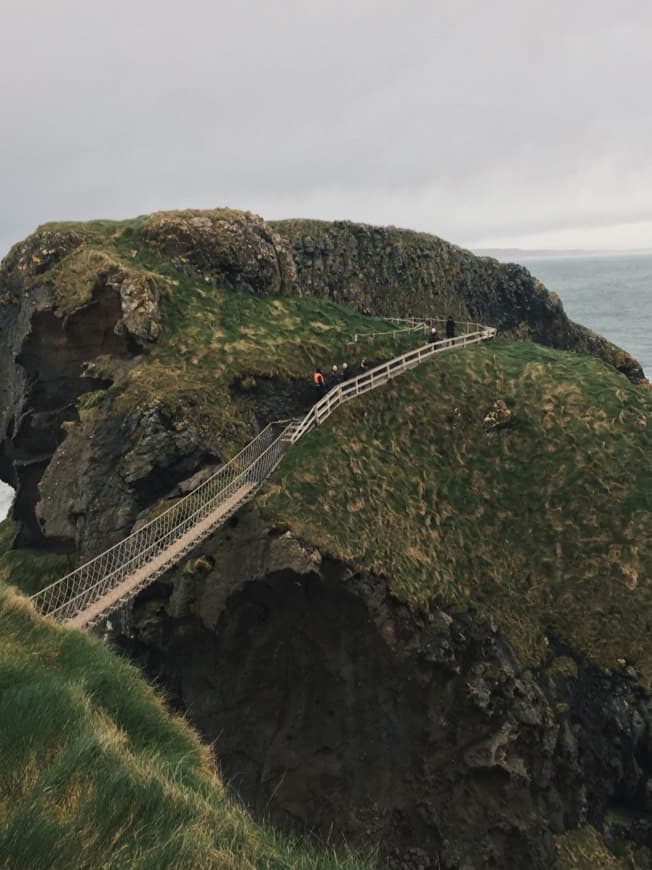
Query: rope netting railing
column 106, row 581
column 72, row 594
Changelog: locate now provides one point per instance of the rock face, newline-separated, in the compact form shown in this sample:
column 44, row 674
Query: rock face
column 75, row 318
column 340, row 711
column 399, row 273
column 81, row 478
column 105, row 472
column 234, row 249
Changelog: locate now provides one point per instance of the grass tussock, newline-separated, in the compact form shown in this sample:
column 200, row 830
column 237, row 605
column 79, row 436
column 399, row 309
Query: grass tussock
column 545, row 525
column 584, row 849
column 29, row 570
column 94, row 772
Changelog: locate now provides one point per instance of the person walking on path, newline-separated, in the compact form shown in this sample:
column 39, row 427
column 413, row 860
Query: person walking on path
column 318, row 380
column 346, row 374
column 434, row 335
column 333, row 377
column 450, row 327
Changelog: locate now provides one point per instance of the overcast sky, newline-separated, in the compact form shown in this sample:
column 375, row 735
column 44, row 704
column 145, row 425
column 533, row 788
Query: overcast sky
column 488, row 122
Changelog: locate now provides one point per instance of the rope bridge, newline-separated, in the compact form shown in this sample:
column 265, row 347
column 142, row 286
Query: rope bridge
column 106, row 582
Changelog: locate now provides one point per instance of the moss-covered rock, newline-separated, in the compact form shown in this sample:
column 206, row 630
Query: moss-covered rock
column 229, row 248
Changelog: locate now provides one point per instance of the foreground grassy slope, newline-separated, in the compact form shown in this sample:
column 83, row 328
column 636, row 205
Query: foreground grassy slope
column 94, row 772
column 29, row 570
column 546, row 524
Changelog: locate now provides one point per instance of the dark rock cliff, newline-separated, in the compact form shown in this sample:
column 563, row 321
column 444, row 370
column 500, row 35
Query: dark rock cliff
column 81, row 476
column 397, row 273
column 340, row 711
column 75, row 318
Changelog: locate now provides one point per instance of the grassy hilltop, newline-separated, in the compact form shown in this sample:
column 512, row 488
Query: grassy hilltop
column 544, row 524
column 206, row 338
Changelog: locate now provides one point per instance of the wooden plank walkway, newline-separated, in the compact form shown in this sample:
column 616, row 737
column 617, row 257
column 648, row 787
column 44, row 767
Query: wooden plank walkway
column 156, row 565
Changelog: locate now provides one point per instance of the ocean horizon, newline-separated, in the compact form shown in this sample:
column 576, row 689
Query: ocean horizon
column 608, row 293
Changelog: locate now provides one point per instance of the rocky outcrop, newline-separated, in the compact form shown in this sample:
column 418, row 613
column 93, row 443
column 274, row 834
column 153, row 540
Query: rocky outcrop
column 72, row 319
column 498, row 416
column 336, row 709
column 105, row 472
column 399, row 273
column 76, row 318
column 233, row 249
column 54, row 271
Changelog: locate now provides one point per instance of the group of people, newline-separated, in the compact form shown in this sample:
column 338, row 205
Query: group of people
column 450, row 331
column 336, row 376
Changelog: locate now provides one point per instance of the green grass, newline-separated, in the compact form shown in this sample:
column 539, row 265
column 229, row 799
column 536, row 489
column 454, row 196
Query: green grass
column 212, row 338
column 29, row 570
column 545, row 526
column 94, row 772
column 584, row 849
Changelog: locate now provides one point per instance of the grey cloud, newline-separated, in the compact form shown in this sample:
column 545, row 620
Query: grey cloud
column 467, row 119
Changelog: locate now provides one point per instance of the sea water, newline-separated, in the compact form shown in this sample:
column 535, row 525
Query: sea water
column 611, row 295
column 6, row 497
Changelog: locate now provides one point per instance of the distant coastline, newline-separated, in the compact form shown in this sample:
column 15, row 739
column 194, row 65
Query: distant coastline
column 510, row 255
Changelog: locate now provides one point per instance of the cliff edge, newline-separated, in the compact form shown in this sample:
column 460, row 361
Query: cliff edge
column 397, row 272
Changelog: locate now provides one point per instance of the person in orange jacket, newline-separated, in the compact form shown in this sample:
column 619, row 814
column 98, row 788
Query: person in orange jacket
column 318, row 379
